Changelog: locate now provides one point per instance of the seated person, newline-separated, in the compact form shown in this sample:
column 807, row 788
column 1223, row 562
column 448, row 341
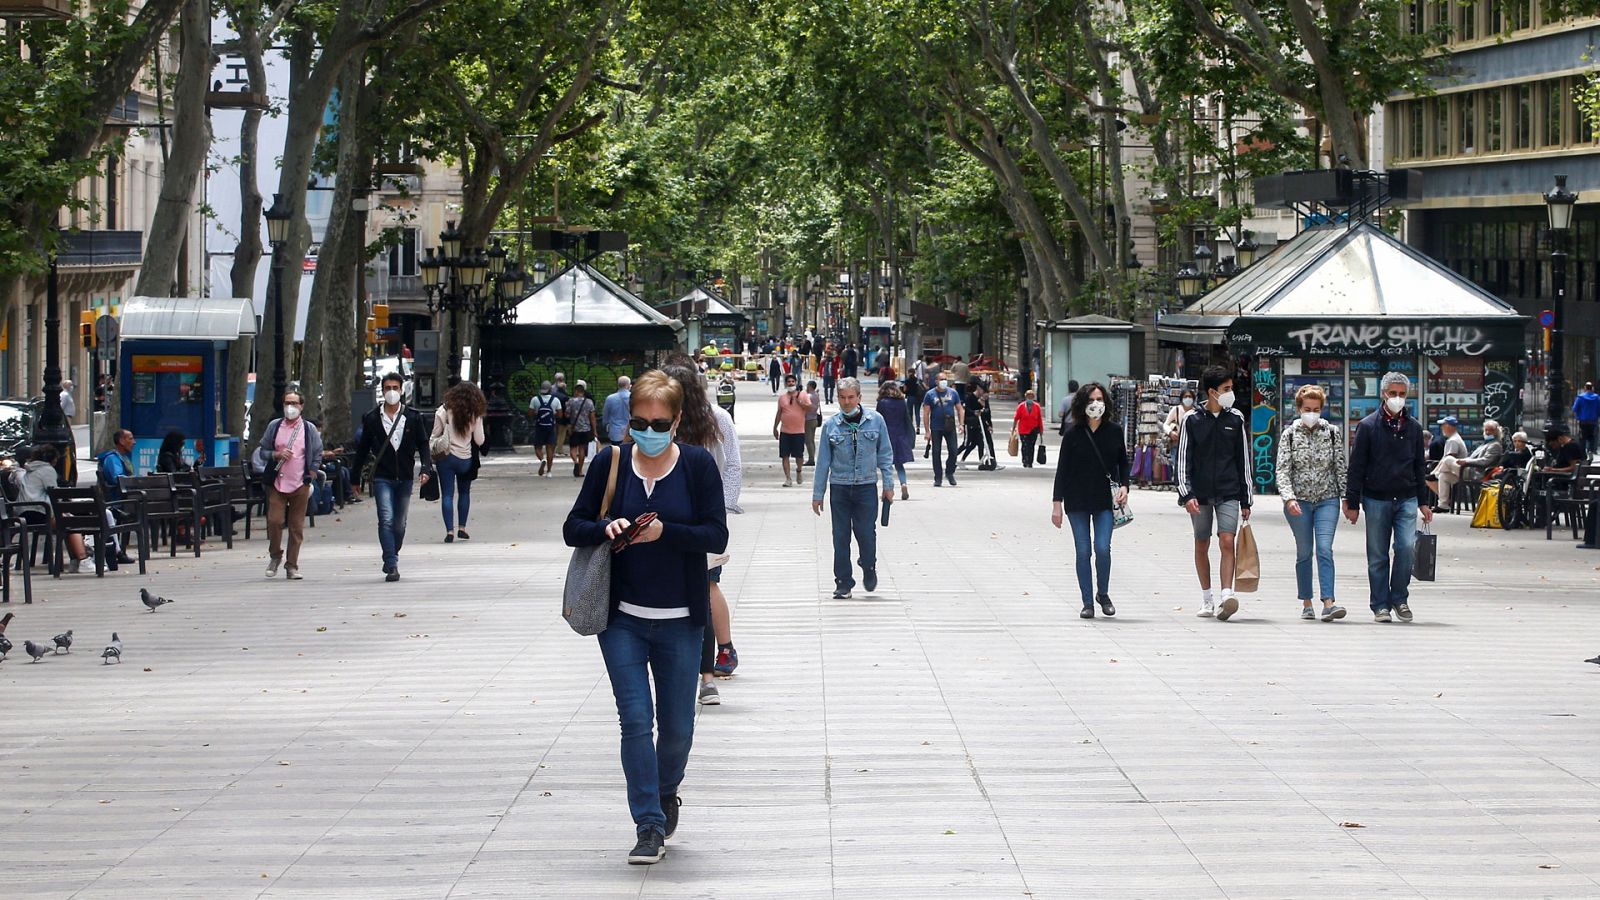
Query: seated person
column 1488, row 455
column 1520, row 454
column 1563, row 453
column 38, row 477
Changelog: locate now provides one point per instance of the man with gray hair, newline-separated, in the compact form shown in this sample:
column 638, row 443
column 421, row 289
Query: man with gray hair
column 1388, row 480
column 1484, row 457
column 614, row 421
column 854, row 454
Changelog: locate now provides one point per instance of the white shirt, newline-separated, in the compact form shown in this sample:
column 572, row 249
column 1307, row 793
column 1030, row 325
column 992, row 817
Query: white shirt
column 68, row 407
column 396, row 433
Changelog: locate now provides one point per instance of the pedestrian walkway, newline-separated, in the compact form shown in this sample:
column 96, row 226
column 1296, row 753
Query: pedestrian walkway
column 959, row 733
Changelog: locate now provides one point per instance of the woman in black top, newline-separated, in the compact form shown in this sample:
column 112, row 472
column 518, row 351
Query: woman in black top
column 170, row 457
column 659, row 595
column 1091, row 475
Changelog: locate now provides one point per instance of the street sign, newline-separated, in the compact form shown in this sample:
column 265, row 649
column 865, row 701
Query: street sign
column 106, row 330
column 390, row 332
column 1547, row 319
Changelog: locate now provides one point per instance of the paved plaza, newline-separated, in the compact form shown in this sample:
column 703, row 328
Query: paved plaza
column 959, row 733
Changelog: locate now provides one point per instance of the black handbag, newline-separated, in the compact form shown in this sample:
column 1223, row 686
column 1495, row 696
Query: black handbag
column 1041, row 450
column 1425, row 565
column 429, row 492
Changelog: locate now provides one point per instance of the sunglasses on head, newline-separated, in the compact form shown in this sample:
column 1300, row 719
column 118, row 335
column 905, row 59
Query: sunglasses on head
column 638, row 424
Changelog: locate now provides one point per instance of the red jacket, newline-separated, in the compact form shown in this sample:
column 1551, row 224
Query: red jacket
column 1029, row 420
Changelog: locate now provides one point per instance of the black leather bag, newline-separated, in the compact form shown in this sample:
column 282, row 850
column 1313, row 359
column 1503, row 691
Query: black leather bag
column 430, row 489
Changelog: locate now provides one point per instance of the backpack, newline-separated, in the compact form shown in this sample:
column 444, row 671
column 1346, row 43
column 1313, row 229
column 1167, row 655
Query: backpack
column 11, row 483
column 324, row 499
column 545, row 414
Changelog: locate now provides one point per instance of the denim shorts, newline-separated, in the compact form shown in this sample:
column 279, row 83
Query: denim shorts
column 1226, row 514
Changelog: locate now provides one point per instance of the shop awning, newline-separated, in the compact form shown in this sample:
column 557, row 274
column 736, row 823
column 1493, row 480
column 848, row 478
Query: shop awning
column 1088, row 323
column 1351, row 272
column 581, row 296
column 704, row 303
column 187, row 318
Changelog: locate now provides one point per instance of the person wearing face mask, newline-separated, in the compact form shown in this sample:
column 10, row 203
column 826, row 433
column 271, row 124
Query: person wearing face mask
column 1311, row 476
column 1447, row 470
column 1174, row 423
column 789, row 429
column 1388, row 481
column 288, row 456
column 1214, row 484
column 854, row 455
column 943, row 425
column 1091, row 476
column 394, row 435
column 659, row 595
column 1484, row 457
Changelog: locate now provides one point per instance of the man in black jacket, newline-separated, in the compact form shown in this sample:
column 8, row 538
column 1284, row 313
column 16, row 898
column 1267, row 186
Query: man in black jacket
column 394, row 435
column 1388, row 479
column 1214, row 483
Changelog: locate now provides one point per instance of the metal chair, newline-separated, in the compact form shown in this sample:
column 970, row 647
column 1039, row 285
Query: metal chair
column 235, row 481
column 14, row 542
column 210, row 498
column 86, row 511
column 1583, row 491
column 163, row 506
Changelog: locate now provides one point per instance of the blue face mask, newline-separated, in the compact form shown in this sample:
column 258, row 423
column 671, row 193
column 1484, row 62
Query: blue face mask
column 651, row 443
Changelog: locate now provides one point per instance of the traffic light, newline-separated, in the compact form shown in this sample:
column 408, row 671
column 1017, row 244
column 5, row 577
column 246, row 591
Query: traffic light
column 380, row 312
column 372, row 329
column 86, row 328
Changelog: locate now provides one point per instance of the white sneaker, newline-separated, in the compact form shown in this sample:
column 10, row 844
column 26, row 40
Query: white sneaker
column 1208, row 608
column 272, row 568
column 788, row 483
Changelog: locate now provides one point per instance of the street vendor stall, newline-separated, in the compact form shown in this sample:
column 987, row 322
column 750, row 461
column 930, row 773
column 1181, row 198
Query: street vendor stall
column 1339, row 306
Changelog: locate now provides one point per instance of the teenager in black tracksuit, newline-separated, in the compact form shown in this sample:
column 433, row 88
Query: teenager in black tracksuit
column 1214, row 483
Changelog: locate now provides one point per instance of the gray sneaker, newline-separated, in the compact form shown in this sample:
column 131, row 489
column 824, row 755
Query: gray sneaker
column 1329, row 613
column 272, row 568
column 709, row 695
column 1227, row 608
column 1403, row 611
column 1381, row 615
column 1308, row 613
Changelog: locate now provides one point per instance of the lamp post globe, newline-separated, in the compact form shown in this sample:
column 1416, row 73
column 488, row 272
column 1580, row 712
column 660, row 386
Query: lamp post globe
column 1189, row 281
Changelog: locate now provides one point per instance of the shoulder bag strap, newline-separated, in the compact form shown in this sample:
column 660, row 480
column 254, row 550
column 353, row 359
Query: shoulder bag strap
column 1098, row 458
column 611, row 482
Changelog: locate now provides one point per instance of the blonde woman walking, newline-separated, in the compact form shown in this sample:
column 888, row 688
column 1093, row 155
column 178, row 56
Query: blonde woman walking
column 1311, row 479
column 460, row 422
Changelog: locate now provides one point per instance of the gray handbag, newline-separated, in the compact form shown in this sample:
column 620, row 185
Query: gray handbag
column 586, row 597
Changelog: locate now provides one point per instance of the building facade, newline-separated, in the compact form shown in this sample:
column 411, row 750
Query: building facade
column 1503, row 121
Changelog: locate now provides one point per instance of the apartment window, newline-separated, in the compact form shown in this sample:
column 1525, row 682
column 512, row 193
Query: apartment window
column 1493, row 121
column 1497, row 20
column 1467, row 124
column 1519, row 15
column 1418, row 127
column 1552, row 102
column 111, row 194
column 1417, row 16
column 1582, row 125
column 403, row 255
column 1466, row 21
column 1441, row 126
column 1522, row 130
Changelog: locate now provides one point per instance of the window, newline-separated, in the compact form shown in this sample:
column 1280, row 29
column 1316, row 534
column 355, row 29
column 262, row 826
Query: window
column 1441, row 126
column 1519, row 15
column 1522, row 131
column 1417, row 16
column 403, row 255
column 1467, row 124
column 1497, row 20
column 1553, row 104
column 112, row 189
column 1493, row 121
column 1418, row 130
column 1466, row 21
column 1582, row 125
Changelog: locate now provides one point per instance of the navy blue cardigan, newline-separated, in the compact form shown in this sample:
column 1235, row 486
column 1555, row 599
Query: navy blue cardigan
column 708, row 533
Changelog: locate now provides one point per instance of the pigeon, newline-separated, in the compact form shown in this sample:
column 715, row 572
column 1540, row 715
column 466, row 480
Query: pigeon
column 6, row 621
column 113, row 650
column 35, row 651
column 64, row 641
column 1596, row 660
column 5, row 647
column 151, row 600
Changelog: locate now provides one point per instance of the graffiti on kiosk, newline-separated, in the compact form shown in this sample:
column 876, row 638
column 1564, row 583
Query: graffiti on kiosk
column 1264, row 427
column 1431, row 340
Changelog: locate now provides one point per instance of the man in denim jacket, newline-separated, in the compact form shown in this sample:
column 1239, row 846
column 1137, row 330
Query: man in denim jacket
column 852, row 456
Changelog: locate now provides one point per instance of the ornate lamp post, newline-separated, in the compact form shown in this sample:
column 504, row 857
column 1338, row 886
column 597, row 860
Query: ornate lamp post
column 53, row 427
column 495, row 312
column 277, row 235
column 1190, row 283
column 1559, row 203
column 1245, row 252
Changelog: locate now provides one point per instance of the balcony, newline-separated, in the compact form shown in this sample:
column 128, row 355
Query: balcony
column 384, row 287
column 100, row 249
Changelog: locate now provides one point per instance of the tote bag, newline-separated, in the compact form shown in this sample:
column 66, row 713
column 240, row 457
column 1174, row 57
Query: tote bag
column 1425, row 564
column 586, row 596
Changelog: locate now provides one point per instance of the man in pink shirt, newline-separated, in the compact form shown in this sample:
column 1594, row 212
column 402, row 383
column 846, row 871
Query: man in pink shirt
column 789, row 428
column 287, row 460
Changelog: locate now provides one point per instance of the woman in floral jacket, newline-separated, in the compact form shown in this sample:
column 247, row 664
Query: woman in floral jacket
column 1311, row 476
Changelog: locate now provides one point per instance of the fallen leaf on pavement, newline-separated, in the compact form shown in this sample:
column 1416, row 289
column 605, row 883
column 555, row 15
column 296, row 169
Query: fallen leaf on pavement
column 1351, row 825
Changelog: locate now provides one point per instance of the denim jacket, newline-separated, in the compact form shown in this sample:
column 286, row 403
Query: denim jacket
column 853, row 454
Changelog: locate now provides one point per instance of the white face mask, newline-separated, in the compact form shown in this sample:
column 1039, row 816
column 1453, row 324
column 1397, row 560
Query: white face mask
column 1310, row 419
column 1188, row 402
column 944, row 384
column 1395, row 404
column 1225, row 400
column 291, row 413
column 1095, row 409
column 391, row 397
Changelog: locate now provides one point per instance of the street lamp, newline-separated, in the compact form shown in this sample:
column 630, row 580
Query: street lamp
column 1203, row 257
column 53, row 426
column 1245, row 253
column 1190, row 282
column 277, row 217
column 1558, row 203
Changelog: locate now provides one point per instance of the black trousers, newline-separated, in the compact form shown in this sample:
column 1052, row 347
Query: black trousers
column 944, row 440
column 1029, row 441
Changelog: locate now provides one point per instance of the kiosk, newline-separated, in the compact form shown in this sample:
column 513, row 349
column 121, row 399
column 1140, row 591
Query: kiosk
column 172, row 365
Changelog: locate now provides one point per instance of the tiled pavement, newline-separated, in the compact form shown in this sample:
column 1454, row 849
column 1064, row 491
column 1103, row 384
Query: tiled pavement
column 959, row 734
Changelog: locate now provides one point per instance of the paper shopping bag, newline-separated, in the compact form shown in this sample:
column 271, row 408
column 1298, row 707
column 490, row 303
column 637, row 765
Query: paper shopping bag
column 1246, row 561
column 1012, row 444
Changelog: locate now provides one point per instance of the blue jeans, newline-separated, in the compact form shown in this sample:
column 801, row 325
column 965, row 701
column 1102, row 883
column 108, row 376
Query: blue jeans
column 946, row 441
column 900, row 471
column 1396, row 521
column 450, row 470
column 635, row 650
column 1100, row 522
column 854, row 508
column 393, row 498
column 1313, row 533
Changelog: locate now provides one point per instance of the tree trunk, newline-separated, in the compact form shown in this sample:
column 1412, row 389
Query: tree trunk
column 1349, row 150
column 247, row 255
column 192, row 140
